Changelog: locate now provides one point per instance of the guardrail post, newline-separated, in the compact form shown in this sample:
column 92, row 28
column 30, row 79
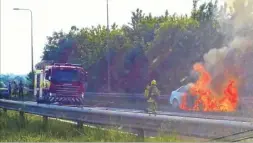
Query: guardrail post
column 140, row 134
column 22, row 118
column 79, row 124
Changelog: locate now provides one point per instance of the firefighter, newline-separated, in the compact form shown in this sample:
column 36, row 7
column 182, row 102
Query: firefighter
column 152, row 92
column 20, row 91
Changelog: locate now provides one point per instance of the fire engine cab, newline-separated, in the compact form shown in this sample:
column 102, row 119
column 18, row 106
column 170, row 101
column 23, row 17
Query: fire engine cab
column 59, row 82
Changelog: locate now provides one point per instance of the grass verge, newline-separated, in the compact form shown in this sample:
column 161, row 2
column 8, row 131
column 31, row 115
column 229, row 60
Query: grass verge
column 34, row 131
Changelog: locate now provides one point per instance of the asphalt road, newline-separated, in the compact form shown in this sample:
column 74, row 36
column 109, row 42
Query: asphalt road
column 138, row 105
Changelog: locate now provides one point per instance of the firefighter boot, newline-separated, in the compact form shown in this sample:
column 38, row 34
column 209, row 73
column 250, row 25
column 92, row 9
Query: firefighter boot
column 149, row 108
column 152, row 106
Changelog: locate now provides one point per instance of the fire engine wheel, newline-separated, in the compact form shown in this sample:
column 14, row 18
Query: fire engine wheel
column 175, row 104
column 47, row 101
column 44, row 100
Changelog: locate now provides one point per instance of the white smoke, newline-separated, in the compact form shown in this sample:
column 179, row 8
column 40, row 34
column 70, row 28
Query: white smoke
column 237, row 56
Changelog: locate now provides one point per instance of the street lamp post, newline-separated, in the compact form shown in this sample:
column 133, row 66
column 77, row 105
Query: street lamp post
column 31, row 34
column 31, row 41
column 107, row 43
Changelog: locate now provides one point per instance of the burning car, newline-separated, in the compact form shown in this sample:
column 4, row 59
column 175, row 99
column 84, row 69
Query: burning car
column 178, row 96
column 208, row 95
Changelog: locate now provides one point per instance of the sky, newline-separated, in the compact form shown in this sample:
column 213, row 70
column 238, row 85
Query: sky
column 54, row 15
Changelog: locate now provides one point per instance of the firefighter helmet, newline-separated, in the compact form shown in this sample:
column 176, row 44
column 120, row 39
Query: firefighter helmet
column 153, row 82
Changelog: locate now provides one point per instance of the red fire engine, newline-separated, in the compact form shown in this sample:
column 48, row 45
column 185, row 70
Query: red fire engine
column 59, row 82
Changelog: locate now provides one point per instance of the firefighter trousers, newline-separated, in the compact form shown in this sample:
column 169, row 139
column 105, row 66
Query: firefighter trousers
column 152, row 106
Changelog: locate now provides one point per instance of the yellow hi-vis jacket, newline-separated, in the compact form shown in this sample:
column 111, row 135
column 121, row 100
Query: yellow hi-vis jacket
column 150, row 94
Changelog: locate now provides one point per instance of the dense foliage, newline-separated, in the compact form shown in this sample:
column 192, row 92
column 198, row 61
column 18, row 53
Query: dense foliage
column 149, row 47
column 6, row 78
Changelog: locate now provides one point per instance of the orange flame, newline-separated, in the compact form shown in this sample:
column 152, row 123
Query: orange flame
column 209, row 99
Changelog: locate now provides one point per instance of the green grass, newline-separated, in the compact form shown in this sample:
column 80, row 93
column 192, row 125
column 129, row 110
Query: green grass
column 34, row 131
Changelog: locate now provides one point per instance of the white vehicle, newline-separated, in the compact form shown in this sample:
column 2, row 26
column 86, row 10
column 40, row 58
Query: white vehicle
column 176, row 97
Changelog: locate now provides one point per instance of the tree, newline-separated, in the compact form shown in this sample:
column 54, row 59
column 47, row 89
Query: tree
column 162, row 47
column 29, row 81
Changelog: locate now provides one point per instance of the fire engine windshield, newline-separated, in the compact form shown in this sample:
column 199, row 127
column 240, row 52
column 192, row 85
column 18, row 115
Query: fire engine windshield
column 66, row 75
